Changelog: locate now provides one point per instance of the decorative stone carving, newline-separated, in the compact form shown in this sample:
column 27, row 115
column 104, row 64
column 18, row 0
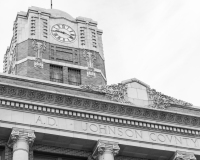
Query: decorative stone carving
column 183, row 156
column 105, row 146
column 161, row 101
column 21, row 133
column 90, row 57
column 115, row 92
column 39, row 47
column 100, row 105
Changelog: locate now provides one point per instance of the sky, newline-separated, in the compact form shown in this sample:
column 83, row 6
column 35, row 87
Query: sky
column 155, row 41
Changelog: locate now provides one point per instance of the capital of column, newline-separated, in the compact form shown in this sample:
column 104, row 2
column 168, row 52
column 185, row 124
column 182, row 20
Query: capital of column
column 180, row 155
column 105, row 146
column 21, row 134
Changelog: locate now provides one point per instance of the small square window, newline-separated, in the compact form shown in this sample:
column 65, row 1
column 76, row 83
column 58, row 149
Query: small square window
column 74, row 76
column 56, row 73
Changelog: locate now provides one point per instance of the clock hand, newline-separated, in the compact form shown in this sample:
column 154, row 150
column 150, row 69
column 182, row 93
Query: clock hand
column 58, row 31
column 64, row 33
column 68, row 35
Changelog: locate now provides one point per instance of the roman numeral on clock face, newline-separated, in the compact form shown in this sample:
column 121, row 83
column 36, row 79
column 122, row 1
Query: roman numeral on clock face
column 55, row 34
column 58, row 26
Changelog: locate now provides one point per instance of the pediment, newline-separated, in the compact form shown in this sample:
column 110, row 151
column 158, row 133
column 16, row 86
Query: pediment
column 136, row 92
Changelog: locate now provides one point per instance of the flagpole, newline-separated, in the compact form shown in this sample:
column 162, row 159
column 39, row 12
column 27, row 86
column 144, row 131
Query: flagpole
column 51, row 4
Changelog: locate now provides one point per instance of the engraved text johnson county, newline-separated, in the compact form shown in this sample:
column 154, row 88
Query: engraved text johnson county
column 122, row 133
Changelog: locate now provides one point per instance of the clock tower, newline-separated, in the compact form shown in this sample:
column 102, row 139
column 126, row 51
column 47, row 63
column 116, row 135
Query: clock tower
column 49, row 44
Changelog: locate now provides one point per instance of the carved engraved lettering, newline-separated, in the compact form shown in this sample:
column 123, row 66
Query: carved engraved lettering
column 178, row 140
column 138, row 134
column 39, row 120
column 48, row 121
column 51, row 121
column 120, row 133
column 84, row 126
column 161, row 137
column 103, row 129
column 93, row 127
column 169, row 137
column 152, row 136
column 111, row 130
column 129, row 133
column 195, row 141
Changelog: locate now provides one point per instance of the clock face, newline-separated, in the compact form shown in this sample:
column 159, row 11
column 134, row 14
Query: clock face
column 63, row 33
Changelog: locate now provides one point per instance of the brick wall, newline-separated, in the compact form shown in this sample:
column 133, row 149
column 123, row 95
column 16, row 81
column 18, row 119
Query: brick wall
column 31, row 51
column 35, row 72
column 99, row 64
column 59, row 54
column 65, row 75
column 22, row 50
column 21, row 69
column 97, row 80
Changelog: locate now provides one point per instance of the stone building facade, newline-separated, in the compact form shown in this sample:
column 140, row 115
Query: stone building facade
column 55, row 103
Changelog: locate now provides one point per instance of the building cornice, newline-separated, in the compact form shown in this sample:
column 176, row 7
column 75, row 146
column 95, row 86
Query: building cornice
column 71, row 113
column 93, row 105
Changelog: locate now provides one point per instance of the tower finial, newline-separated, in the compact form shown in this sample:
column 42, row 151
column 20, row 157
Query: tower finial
column 51, row 4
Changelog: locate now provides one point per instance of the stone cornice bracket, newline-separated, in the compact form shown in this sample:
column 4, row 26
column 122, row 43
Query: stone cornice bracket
column 20, row 133
column 179, row 155
column 105, row 146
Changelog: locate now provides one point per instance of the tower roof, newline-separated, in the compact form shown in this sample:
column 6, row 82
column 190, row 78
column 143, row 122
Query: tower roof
column 59, row 13
column 54, row 13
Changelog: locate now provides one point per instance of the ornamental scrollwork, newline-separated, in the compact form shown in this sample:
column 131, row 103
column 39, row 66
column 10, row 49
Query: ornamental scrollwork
column 21, row 133
column 161, row 101
column 115, row 92
column 103, row 146
column 184, row 156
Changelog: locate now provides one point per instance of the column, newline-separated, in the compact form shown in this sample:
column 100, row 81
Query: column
column 20, row 140
column 105, row 150
column 180, row 155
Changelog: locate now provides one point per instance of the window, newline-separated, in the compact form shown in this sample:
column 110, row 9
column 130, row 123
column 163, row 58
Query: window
column 56, row 73
column 74, row 76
